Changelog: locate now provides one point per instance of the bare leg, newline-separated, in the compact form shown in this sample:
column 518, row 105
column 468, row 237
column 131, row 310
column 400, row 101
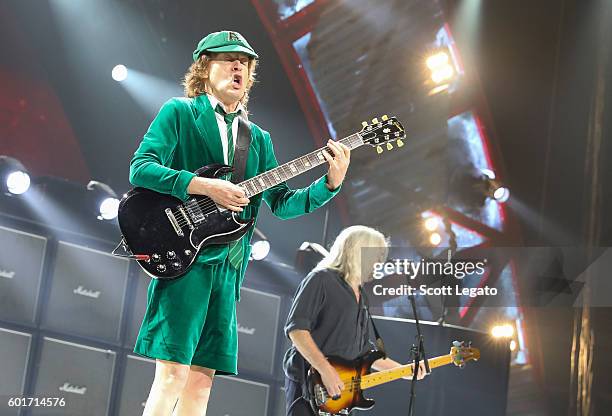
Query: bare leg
column 170, row 378
column 194, row 397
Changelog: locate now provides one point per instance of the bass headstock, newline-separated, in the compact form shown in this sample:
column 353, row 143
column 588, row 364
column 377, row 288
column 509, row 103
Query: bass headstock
column 383, row 132
column 460, row 354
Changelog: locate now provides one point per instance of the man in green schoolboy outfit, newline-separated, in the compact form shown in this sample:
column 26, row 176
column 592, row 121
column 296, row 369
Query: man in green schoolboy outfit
column 190, row 323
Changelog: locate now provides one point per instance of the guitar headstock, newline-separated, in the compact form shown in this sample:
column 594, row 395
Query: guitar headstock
column 461, row 354
column 383, row 132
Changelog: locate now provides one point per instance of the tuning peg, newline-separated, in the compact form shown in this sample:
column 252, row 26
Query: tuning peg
column 385, row 118
column 375, row 120
column 400, row 142
column 364, row 123
column 389, row 146
column 379, row 149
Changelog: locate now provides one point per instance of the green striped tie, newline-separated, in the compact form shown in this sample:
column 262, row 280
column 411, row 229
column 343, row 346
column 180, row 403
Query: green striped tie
column 235, row 247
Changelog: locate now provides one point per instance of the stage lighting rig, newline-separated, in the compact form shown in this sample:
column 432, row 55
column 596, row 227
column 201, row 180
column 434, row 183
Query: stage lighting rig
column 494, row 188
column 471, row 187
column 261, row 246
column 14, row 177
column 442, row 71
column 105, row 200
column 502, row 331
column 119, row 73
column 435, row 239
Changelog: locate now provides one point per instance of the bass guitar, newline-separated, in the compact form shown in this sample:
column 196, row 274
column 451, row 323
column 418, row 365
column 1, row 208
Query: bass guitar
column 356, row 377
column 165, row 234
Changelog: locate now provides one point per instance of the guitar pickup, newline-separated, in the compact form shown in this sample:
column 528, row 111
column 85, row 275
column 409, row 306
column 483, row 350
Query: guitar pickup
column 174, row 222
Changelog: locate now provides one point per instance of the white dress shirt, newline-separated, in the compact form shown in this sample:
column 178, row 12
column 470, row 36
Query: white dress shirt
column 223, row 127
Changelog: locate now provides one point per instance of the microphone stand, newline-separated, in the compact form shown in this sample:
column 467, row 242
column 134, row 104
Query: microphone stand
column 418, row 352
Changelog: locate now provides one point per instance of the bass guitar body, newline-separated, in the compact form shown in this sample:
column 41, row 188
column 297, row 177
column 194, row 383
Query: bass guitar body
column 166, row 234
column 351, row 373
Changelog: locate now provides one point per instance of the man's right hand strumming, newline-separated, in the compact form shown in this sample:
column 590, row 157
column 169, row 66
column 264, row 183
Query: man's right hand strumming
column 222, row 192
column 331, row 380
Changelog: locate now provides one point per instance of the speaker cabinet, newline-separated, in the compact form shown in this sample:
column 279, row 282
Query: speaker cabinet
column 280, row 408
column 257, row 314
column 80, row 374
column 14, row 357
column 232, row 396
column 21, row 265
column 87, row 293
column 139, row 373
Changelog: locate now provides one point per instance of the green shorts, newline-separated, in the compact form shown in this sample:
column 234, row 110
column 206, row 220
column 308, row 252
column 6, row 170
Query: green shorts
column 192, row 320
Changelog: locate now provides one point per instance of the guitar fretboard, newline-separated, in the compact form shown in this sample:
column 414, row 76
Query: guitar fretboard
column 385, row 376
column 273, row 177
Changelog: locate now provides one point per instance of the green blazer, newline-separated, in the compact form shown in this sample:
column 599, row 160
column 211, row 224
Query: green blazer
column 184, row 137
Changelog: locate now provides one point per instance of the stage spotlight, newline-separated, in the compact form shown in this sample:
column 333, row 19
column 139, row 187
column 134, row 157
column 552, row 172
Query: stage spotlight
column 493, row 187
column 471, row 187
column 119, row 73
column 435, row 239
column 109, row 208
column 431, row 223
column 437, row 60
column 15, row 178
column 442, row 74
column 501, row 194
column 441, row 67
column 513, row 345
column 105, row 200
column 502, row 331
column 261, row 247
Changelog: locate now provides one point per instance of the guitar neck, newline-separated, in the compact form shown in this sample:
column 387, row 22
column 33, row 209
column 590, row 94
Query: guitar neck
column 382, row 377
column 273, row 177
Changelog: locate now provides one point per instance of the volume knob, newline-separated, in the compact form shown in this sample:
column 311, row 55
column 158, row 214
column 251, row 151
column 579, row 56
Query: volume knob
column 161, row 268
column 171, row 254
column 156, row 257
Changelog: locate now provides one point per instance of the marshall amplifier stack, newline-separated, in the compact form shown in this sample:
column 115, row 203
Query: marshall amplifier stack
column 87, row 293
column 69, row 317
column 15, row 350
column 258, row 320
column 82, row 375
column 21, row 267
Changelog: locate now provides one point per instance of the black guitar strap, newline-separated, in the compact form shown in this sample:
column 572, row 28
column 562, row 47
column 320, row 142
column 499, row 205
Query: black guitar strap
column 241, row 151
column 380, row 345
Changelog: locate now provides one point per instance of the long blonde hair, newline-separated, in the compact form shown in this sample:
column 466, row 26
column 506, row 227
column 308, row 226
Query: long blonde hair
column 345, row 255
column 194, row 82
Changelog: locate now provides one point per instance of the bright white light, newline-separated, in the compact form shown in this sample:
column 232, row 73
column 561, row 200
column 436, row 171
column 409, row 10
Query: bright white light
column 260, row 250
column 119, row 73
column 431, row 223
column 501, row 194
column 513, row 345
column 437, row 60
column 435, row 239
column 18, row 182
column 109, row 208
column 442, row 74
column 488, row 173
column 502, row 331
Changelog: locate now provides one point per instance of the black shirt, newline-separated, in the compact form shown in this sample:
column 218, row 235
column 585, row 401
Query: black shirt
column 325, row 305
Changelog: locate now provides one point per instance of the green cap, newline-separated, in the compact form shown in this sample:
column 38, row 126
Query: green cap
column 225, row 41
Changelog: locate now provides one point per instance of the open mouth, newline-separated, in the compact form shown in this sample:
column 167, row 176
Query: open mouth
column 237, row 81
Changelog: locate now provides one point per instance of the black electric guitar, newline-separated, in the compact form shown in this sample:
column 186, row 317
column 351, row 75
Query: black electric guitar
column 165, row 234
column 356, row 377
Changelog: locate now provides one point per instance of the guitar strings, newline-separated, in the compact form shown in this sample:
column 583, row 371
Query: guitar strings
column 208, row 206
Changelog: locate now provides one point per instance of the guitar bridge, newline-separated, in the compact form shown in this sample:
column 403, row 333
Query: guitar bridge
column 174, row 222
column 184, row 214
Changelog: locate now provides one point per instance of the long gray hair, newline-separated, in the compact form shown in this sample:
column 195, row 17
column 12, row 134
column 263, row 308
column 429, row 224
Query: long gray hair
column 346, row 257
